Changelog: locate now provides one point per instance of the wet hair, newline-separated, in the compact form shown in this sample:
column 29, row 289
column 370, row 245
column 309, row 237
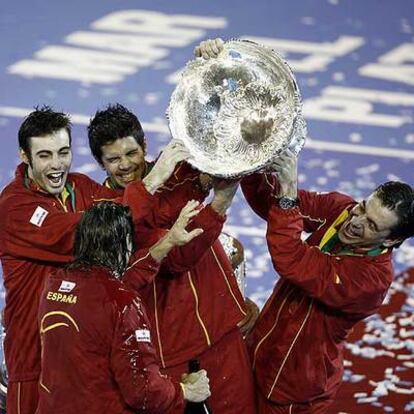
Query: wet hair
column 41, row 122
column 104, row 237
column 398, row 197
column 110, row 124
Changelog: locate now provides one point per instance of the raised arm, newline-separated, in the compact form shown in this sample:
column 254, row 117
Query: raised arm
column 208, row 223
column 349, row 283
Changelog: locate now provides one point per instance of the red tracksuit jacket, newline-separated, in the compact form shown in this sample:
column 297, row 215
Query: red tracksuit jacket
column 97, row 355
column 297, row 343
column 195, row 295
column 36, row 236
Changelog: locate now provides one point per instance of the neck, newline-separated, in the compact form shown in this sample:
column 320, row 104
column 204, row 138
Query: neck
column 373, row 249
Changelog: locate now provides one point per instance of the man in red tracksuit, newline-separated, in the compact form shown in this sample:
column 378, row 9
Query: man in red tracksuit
column 327, row 284
column 194, row 303
column 97, row 352
column 39, row 210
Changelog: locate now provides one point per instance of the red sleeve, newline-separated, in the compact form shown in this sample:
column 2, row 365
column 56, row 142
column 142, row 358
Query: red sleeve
column 50, row 240
column 260, row 191
column 183, row 258
column 142, row 270
column 354, row 284
column 36, row 230
column 139, row 200
column 181, row 187
column 135, row 365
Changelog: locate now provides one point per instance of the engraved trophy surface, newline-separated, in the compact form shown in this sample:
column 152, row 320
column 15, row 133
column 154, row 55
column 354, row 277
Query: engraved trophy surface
column 238, row 111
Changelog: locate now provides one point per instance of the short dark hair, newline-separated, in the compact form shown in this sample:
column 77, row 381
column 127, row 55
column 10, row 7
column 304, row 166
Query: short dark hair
column 102, row 237
column 40, row 122
column 399, row 197
column 112, row 123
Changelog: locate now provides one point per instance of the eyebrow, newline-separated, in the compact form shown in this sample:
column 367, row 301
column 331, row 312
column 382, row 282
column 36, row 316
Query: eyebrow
column 370, row 220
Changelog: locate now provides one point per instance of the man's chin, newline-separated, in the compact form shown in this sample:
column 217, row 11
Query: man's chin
column 55, row 191
column 124, row 183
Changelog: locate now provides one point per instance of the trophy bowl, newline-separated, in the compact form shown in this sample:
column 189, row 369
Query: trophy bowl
column 237, row 112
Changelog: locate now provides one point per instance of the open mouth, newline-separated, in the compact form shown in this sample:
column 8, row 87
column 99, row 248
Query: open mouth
column 56, row 179
column 350, row 233
column 127, row 177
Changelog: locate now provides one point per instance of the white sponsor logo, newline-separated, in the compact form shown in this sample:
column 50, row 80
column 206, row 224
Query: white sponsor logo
column 143, row 335
column 66, row 286
column 39, row 216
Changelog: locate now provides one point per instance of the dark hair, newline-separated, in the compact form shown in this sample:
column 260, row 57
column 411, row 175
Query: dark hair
column 399, row 197
column 40, row 122
column 110, row 124
column 102, row 237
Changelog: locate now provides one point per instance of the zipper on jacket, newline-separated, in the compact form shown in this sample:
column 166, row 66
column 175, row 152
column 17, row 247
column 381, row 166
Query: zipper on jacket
column 197, row 309
column 272, row 328
column 290, row 349
column 227, row 282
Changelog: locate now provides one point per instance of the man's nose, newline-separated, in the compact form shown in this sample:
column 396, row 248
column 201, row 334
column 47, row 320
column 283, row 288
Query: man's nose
column 56, row 162
column 125, row 164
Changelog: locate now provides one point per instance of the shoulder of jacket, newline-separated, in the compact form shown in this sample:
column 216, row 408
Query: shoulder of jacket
column 116, row 292
column 79, row 177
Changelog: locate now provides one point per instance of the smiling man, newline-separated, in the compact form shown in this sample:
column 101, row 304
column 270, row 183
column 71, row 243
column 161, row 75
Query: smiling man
column 39, row 210
column 337, row 277
column 194, row 302
column 117, row 142
column 48, row 160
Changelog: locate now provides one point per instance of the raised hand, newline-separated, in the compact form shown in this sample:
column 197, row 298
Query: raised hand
column 177, row 235
column 286, row 168
column 209, row 48
column 173, row 153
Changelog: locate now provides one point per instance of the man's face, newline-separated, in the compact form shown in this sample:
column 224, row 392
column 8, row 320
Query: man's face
column 368, row 225
column 51, row 157
column 123, row 160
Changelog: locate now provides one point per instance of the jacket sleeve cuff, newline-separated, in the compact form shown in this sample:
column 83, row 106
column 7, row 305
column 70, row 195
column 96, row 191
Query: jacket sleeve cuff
column 143, row 259
column 288, row 212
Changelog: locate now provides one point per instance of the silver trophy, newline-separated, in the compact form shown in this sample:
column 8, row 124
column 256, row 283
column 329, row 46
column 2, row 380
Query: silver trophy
column 237, row 112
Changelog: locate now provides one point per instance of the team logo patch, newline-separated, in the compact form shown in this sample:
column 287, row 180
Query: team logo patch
column 143, row 335
column 39, row 216
column 66, row 286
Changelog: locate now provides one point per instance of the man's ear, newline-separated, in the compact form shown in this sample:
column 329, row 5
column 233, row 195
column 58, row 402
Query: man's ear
column 24, row 157
column 392, row 242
